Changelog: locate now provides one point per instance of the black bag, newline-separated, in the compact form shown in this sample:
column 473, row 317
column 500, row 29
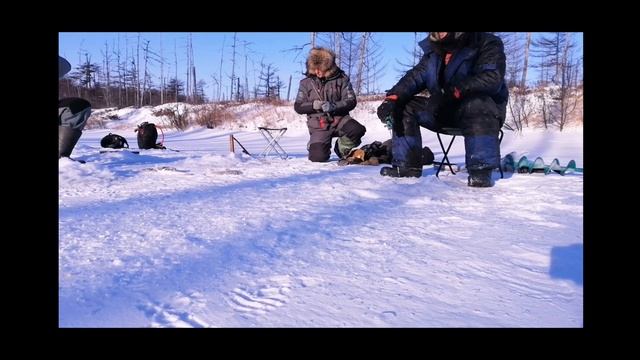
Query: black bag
column 147, row 135
column 382, row 153
column 376, row 149
column 114, row 141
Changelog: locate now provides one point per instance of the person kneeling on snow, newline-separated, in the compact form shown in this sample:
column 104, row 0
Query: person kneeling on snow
column 326, row 97
column 73, row 114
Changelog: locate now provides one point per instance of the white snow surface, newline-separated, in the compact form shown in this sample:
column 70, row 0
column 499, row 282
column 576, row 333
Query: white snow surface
column 201, row 237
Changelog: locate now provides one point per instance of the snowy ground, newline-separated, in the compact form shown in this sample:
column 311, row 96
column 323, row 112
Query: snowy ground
column 171, row 239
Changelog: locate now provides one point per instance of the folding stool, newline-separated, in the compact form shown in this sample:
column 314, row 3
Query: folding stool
column 456, row 132
column 272, row 136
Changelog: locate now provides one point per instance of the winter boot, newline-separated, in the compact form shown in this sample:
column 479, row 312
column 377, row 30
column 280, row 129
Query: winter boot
column 343, row 146
column 67, row 139
column 398, row 171
column 480, row 178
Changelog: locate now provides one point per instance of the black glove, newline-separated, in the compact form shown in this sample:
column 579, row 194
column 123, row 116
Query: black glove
column 386, row 109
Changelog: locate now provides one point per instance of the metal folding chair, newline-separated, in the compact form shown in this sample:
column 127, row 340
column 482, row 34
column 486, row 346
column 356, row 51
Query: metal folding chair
column 272, row 136
column 445, row 159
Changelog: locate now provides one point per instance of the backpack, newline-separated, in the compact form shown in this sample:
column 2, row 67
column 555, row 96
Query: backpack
column 147, row 136
column 114, row 141
column 371, row 154
column 379, row 150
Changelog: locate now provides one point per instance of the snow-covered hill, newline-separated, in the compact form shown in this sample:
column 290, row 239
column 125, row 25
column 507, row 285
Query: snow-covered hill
column 247, row 116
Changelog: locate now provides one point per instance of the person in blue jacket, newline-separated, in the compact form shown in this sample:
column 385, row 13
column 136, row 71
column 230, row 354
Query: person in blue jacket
column 464, row 75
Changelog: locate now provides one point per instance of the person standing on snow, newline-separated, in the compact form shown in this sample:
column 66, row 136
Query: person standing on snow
column 73, row 114
column 464, row 73
column 326, row 97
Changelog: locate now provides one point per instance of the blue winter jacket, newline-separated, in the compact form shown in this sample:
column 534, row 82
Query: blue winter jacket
column 477, row 67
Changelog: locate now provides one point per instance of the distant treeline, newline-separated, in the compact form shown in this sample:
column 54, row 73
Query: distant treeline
column 124, row 78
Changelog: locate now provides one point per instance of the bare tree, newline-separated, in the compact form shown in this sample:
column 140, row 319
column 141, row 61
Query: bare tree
column 269, row 84
column 548, row 49
column 362, row 53
column 175, row 87
column 233, row 63
column 132, row 78
column 525, row 66
column 125, row 69
column 246, row 69
column 137, row 65
column 239, row 92
column 106, row 56
column 298, row 52
column 152, row 57
column 200, row 95
column 195, row 88
column 337, row 40
column 78, row 74
column 191, row 84
column 355, row 56
column 373, row 70
column 521, row 110
column 161, row 72
column 568, row 97
column 213, row 88
column 417, row 51
column 120, row 71
column 513, row 49
column 351, row 49
column 545, row 107
column 188, row 68
column 175, row 56
column 221, row 62
column 87, row 72
column 559, row 102
column 415, row 54
column 277, row 87
column 192, row 72
column 147, row 76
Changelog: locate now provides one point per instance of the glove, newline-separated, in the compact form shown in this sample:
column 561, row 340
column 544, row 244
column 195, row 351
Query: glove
column 387, row 108
column 453, row 93
column 317, row 104
column 328, row 107
column 456, row 93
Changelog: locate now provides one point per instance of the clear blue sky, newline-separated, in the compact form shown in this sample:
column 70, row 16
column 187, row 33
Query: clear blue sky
column 207, row 47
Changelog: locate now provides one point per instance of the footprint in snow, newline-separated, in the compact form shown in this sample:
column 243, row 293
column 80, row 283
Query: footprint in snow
column 177, row 313
column 260, row 298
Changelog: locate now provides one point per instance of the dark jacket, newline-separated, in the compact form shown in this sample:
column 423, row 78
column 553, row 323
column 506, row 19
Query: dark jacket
column 336, row 88
column 476, row 67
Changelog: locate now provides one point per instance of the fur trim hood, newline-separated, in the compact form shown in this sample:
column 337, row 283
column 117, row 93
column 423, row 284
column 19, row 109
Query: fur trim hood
column 451, row 42
column 433, row 36
column 323, row 59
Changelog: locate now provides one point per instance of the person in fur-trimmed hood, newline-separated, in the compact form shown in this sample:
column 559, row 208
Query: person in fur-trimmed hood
column 326, row 97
